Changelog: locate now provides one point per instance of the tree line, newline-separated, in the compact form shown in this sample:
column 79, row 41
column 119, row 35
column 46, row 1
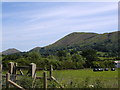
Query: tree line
column 61, row 59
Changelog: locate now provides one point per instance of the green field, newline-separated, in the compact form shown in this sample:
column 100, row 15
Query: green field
column 85, row 77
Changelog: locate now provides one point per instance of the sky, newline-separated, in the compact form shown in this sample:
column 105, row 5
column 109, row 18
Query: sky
column 26, row 25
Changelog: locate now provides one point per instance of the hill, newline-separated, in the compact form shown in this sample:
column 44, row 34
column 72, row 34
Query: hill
column 36, row 49
column 73, row 38
column 83, row 39
column 10, row 51
column 106, row 42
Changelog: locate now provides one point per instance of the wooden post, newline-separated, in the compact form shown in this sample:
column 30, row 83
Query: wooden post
column 15, row 72
column 33, row 70
column 11, row 70
column 7, row 80
column 0, row 76
column 45, row 81
column 15, row 68
column 11, row 66
column 51, row 69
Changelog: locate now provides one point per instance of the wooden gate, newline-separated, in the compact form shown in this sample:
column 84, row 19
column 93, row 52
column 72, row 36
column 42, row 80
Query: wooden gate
column 11, row 76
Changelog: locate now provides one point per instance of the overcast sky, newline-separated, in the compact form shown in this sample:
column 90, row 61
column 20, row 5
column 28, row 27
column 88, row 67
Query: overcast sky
column 28, row 25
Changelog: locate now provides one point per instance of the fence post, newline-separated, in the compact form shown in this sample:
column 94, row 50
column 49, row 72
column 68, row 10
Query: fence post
column 0, row 76
column 45, row 80
column 11, row 66
column 33, row 70
column 51, row 69
column 7, row 79
column 15, row 72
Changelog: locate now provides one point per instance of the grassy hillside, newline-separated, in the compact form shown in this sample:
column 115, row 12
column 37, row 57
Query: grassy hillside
column 101, row 42
column 73, row 38
column 85, row 39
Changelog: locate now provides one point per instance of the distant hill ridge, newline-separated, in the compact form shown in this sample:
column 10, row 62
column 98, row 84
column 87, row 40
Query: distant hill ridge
column 100, row 42
column 82, row 39
column 10, row 51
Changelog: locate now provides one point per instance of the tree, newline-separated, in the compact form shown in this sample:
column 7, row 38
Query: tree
column 73, row 52
column 109, row 64
column 77, row 58
column 96, row 64
column 34, row 56
column 22, row 61
column 90, row 55
column 61, row 53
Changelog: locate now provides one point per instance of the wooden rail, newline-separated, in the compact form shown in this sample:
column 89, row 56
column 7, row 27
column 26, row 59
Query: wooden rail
column 27, row 67
column 16, row 85
column 22, row 67
column 3, row 75
column 8, row 82
column 51, row 69
column 57, row 82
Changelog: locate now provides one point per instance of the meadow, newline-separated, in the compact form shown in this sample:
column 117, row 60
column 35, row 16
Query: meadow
column 84, row 78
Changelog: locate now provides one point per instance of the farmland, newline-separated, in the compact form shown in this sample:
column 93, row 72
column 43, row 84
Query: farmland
column 82, row 78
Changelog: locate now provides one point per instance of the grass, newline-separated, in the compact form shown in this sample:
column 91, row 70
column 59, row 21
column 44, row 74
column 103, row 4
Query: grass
column 78, row 78
column 83, row 78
